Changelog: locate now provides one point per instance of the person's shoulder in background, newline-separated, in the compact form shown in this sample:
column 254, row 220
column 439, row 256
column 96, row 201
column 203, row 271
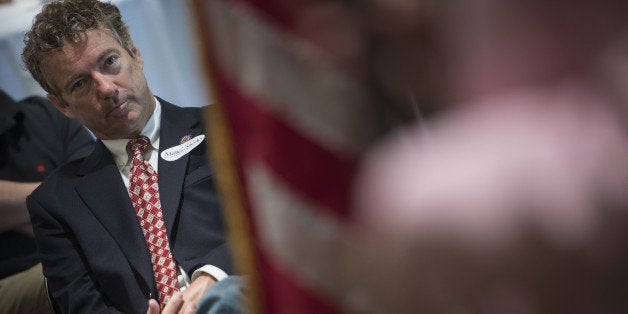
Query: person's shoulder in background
column 45, row 132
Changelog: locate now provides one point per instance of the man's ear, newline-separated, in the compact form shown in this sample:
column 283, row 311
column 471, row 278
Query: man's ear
column 137, row 54
column 61, row 105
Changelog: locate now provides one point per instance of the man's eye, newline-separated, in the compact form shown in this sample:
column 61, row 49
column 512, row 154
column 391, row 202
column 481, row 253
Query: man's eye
column 78, row 84
column 111, row 60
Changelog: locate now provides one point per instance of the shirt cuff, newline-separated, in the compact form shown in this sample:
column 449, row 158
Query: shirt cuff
column 213, row 271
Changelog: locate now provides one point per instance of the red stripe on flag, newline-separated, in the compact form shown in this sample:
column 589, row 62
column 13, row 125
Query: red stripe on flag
column 309, row 168
column 285, row 295
column 282, row 12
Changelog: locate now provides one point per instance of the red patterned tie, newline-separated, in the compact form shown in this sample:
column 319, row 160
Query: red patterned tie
column 144, row 193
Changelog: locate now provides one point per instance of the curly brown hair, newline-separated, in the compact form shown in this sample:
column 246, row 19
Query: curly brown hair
column 65, row 21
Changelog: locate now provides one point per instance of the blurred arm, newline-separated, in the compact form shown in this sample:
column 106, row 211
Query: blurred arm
column 13, row 206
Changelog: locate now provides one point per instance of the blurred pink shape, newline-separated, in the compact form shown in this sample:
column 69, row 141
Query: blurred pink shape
column 486, row 171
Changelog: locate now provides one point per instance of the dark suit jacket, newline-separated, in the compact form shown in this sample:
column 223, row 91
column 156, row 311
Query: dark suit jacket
column 93, row 249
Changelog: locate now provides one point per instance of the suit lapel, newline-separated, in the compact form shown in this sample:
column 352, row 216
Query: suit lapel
column 174, row 126
column 102, row 190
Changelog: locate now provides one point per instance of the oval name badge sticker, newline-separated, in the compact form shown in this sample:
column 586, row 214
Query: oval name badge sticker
column 175, row 152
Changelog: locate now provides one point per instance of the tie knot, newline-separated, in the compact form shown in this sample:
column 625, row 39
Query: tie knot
column 138, row 145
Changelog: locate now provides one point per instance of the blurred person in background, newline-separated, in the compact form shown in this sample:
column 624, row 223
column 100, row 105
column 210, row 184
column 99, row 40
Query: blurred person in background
column 35, row 139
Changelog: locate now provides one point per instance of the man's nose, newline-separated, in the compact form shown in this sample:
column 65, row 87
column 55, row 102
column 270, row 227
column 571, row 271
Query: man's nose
column 105, row 86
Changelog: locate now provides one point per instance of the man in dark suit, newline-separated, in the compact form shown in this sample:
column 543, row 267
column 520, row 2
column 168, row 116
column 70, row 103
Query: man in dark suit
column 103, row 248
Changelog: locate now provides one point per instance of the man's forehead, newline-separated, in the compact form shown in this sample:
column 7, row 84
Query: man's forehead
column 76, row 55
column 89, row 39
column 86, row 42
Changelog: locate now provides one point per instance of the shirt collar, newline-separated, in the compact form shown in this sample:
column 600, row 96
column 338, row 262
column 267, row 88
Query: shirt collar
column 151, row 130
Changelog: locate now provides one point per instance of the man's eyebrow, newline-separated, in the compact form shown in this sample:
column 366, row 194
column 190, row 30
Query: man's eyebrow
column 106, row 54
column 100, row 59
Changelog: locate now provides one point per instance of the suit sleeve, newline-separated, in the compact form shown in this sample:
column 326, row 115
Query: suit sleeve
column 73, row 289
column 201, row 228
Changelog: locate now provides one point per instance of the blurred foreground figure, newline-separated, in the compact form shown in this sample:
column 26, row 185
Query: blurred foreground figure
column 506, row 198
column 514, row 201
column 515, row 208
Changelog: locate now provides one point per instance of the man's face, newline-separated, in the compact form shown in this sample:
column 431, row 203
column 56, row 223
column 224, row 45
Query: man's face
column 97, row 82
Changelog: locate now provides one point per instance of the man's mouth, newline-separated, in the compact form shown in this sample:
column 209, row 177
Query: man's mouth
column 118, row 110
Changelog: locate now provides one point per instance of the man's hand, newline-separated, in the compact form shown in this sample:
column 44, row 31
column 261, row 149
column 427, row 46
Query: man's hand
column 196, row 290
column 174, row 306
column 184, row 302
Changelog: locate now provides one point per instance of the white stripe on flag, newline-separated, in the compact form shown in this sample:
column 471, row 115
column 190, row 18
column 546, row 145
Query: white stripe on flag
column 292, row 78
column 314, row 248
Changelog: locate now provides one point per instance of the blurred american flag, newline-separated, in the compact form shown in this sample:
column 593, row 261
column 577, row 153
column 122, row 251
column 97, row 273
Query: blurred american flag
column 291, row 122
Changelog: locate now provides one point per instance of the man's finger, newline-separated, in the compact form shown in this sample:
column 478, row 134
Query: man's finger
column 189, row 308
column 153, row 307
column 174, row 304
